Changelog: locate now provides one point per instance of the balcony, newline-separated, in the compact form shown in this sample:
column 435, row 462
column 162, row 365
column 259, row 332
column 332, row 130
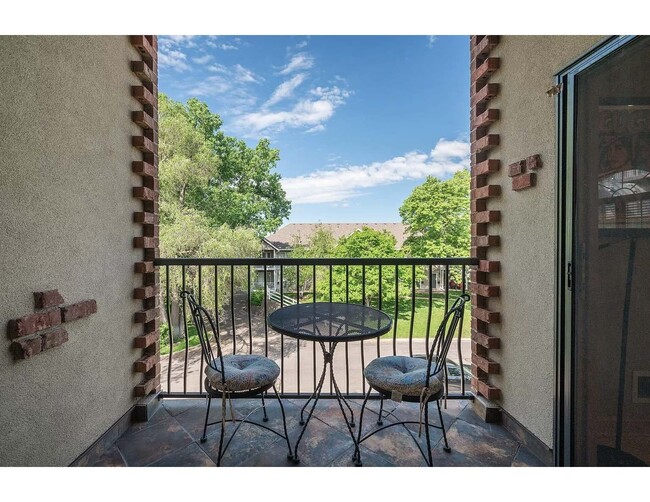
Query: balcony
column 227, row 286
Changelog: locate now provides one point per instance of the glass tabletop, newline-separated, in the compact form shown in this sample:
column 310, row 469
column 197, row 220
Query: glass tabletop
column 329, row 322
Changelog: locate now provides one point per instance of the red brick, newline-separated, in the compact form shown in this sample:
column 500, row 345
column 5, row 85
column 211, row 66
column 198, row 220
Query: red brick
column 47, row 299
column 486, row 290
column 144, row 169
column 484, row 119
column 144, row 46
column 486, row 217
column 144, row 144
column 26, row 347
column 486, row 315
column 483, row 46
column 144, row 341
column 144, row 72
column 487, row 341
column 485, row 240
column 146, row 292
column 145, row 363
column 486, row 167
column 486, row 68
column 144, row 193
column 484, row 94
column 485, row 143
column 534, row 162
column 486, row 192
column 517, row 168
column 143, row 119
column 489, row 266
column 32, row 323
column 477, row 206
column 54, row 338
column 78, row 310
column 489, row 391
column 146, row 315
column 523, row 181
column 145, row 242
column 147, row 387
column 146, row 218
column 150, row 230
column 144, row 95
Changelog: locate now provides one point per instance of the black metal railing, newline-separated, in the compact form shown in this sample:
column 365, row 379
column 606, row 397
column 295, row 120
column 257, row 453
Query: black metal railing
column 402, row 287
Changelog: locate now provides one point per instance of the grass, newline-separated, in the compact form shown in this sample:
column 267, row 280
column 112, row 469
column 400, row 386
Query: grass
column 403, row 320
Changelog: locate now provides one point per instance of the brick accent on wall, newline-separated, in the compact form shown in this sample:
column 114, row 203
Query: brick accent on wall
column 483, row 70
column 145, row 115
column 42, row 330
column 521, row 172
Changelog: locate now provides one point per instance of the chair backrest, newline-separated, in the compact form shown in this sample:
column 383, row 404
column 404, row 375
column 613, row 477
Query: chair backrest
column 451, row 322
column 199, row 316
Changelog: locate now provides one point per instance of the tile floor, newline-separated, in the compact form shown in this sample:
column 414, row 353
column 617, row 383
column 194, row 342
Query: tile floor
column 171, row 438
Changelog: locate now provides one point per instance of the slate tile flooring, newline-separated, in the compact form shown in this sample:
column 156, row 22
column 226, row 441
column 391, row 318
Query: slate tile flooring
column 171, row 438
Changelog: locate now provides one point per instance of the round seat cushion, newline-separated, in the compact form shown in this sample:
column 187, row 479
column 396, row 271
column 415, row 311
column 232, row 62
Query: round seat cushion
column 406, row 375
column 243, row 372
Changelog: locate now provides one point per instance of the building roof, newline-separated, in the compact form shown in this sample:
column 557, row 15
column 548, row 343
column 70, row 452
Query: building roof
column 286, row 236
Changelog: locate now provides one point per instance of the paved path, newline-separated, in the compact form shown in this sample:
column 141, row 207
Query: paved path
column 350, row 381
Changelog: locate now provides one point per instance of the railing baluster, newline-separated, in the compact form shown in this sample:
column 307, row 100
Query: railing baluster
column 446, row 310
column 200, row 303
column 281, row 335
column 186, row 339
column 266, row 322
column 396, row 310
column 298, row 341
column 412, row 310
column 330, row 329
column 347, row 355
column 426, row 342
column 363, row 301
column 379, row 306
column 460, row 336
column 250, row 324
column 232, row 308
column 169, row 330
column 313, row 280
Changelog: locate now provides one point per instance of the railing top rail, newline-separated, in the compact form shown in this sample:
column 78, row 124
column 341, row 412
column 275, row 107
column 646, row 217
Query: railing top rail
column 314, row 261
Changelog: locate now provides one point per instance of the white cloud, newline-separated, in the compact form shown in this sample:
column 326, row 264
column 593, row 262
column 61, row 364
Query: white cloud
column 301, row 61
column 302, row 44
column 306, row 113
column 285, row 89
column 343, row 183
column 237, row 73
column 203, row 59
column 173, row 59
column 316, row 128
column 432, row 39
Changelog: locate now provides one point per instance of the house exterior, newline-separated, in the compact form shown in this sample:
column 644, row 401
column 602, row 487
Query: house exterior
column 279, row 244
column 559, row 318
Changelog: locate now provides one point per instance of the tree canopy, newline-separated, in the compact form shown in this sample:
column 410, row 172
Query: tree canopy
column 221, row 177
column 437, row 217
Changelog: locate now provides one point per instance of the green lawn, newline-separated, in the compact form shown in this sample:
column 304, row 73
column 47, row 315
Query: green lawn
column 403, row 320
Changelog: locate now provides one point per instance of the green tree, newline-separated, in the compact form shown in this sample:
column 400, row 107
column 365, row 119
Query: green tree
column 220, row 176
column 364, row 243
column 437, row 217
column 321, row 244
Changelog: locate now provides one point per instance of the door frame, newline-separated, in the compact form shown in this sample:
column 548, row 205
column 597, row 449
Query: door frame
column 565, row 104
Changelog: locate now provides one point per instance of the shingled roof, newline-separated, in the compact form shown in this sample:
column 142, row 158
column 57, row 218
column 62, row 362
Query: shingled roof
column 286, row 236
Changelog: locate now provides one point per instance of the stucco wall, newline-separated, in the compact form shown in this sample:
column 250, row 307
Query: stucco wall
column 66, row 223
column 527, row 126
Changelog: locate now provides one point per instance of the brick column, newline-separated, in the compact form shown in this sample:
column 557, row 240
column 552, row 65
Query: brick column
column 483, row 191
column 145, row 115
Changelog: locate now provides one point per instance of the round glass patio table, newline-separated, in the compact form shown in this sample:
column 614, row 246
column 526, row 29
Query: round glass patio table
column 329, row 323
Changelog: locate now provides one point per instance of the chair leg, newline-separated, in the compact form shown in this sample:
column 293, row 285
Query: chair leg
column 223, row 427
column 444, row 433
column 266, row 417
column 204, row 438
column 284, row 423
column 381, row 410
column 428, row 435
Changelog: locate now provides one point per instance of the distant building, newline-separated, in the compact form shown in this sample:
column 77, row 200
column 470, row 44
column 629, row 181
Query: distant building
column 280, row 245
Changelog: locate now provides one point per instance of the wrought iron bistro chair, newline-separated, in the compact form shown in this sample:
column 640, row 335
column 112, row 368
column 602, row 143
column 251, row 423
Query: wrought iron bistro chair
column 233, row 375
column 414, row 379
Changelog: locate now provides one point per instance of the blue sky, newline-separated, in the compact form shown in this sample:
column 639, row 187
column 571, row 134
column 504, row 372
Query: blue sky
column 359, row 120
